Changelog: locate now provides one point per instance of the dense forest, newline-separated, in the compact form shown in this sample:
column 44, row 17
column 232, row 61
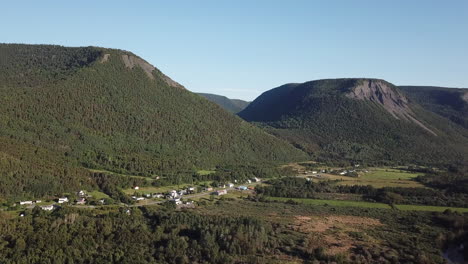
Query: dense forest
column 162, row 235
column 360, row 120
column 451, row 103
column 94, row 108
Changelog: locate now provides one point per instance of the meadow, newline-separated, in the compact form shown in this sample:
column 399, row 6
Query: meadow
column 341, row 203
column 379, row 177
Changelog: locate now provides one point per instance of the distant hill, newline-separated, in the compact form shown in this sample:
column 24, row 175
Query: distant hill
column 451, row 103
column 65, row 110
column 231, row 105
column 365, row 120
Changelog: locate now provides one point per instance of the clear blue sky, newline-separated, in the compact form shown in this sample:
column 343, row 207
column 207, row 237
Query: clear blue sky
column 242, row 48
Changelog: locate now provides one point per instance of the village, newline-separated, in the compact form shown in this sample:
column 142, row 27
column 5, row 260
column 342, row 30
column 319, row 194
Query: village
column 182, row 197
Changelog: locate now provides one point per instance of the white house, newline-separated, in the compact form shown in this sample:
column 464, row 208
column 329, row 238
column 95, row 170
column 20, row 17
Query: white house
column 81, row 193
column 63, row 200
column 176, row 201
column 221, row 192
column 136, row 188
column 314, row 172
column 47, row 207
column 256, row 179
column 230, row 185
column 249, row 181
column 25, row 202
column 81, row 201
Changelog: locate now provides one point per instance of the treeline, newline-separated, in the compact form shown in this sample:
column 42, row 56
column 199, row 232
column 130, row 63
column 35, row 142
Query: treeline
column 301, row 188
column 143, row 236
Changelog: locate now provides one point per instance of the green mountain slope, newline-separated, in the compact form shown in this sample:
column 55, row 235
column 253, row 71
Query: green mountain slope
column 66, row 109
column 358, row 120
column 231, row 105
column 451, row 103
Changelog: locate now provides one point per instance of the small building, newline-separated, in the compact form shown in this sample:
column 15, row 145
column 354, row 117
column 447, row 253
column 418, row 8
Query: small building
column 221, row 192
column 136, row 188
column 102, row 201
column 47, row 207
column 157, row 195
column 81, row 201
column 63, row 200
column 26, row 202
column 343, row 172
column 37, row 201
column 249, row 181
column 191, row 189
column 242, row 188
column 81, row 193
column 138, row 198
column 177, row 201
column 148, row 195
column 256, row 179
column 230, row 185
column 208, row 189
column 314, row 172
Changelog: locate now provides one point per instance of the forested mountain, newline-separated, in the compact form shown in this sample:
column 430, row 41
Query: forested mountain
column 366, row 120
column 64, row 110
column 231, row 105
column 451, row 103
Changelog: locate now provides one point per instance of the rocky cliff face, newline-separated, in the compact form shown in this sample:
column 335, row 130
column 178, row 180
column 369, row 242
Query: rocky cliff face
column 132, row 61
column 386, row 95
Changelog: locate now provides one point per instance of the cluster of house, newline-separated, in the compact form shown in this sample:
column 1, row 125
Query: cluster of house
column 175, row 195
column 315, row 171
column 169, row 195
column 81, row 200
column 43, row 207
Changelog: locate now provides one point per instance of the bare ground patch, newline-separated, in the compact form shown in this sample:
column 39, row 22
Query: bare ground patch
column 333, row 231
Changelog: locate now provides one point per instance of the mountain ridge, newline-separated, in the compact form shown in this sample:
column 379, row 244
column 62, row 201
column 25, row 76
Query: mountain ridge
column 83, row 108
column 338, row 119
column 231, row 105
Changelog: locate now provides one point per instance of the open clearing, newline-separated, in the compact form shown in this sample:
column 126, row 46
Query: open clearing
column 368, row 204
column 379, row 177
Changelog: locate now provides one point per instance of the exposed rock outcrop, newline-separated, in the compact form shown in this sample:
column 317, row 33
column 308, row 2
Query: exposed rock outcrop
column 105, row 57
column 465, row 97
column 132, row 61
column 389, row 97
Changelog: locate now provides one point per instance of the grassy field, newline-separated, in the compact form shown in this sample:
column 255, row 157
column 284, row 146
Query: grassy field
column 369, row 204
column 379, row 177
